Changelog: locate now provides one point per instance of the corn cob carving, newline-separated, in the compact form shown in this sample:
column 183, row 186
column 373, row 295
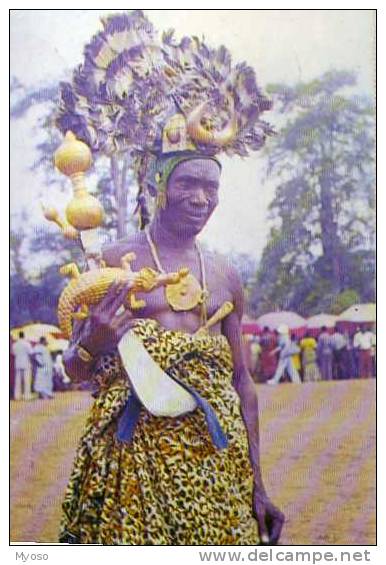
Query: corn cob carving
column 87, row 289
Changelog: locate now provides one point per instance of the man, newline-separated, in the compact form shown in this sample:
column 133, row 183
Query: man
column 268, row 362
column 287, row 349
column 61, row 380
column 339, row 343
column 192, row 195
column 325, row 352
column 44, row 370
column 22, row 351
column 254, row 353
column 310, row 367
column 193, row 476
column 364, row 341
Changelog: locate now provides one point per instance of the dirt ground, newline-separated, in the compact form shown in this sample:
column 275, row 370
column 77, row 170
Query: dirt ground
column 318, row 460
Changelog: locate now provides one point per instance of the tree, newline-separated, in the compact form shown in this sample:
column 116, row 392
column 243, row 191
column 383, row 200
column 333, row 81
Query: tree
column 36, row 284
column 113, row 172
column 322, row 234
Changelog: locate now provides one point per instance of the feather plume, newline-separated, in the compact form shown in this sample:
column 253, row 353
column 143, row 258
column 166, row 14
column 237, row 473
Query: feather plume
column 131, row 83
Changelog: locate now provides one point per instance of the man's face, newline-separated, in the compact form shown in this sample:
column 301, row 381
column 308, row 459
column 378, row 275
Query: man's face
column 192, row 196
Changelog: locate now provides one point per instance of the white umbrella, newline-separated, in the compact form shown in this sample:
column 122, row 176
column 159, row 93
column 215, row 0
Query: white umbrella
column 359, row 313
column 56, row 344
column 320, row 320
column 34, row 332
column 275, row 319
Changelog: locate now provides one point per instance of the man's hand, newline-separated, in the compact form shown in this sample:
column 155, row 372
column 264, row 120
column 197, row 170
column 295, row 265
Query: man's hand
column 102, row 330
column 269, row 518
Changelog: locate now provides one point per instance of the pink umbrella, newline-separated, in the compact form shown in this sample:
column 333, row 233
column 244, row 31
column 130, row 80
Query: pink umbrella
column 275, row 319
column 250, row 326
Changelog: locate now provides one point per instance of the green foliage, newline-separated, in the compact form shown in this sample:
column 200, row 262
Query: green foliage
column 344, row 300
column 321, row 246
column 36, row 283
column 35, row 301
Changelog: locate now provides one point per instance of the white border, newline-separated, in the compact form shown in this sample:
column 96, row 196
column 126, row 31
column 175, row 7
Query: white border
column 172, row 555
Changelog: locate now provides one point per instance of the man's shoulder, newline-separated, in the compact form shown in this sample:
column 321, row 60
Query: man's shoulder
column 113, row 252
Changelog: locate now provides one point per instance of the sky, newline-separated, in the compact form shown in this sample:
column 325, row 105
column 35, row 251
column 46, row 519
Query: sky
column 282, row 45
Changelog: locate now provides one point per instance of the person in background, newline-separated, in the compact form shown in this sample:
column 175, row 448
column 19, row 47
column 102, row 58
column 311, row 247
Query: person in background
column 339, row 343
column 22, row 351
column 308, row 346
column 286, row 349
column 325, row 352
column 268, row 362
column 363, row 342
column 296, row 359
column 61, row 380
column 349, row 358
column 44, row 371
column 255, row 351
column 374, row 353
column 356, row 350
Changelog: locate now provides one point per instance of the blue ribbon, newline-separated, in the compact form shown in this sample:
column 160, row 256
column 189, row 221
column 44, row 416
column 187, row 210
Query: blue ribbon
column 128, row 420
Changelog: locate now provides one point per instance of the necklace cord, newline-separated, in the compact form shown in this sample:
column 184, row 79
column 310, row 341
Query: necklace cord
column 204, row 292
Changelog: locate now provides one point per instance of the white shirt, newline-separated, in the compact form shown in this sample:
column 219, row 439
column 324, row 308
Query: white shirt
column 364, row 340
column 22, row 350
column 338, row 341
column 43, row 356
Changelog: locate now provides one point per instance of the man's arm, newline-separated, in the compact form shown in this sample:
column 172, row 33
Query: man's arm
column 100, row 333
column 245, row 387
column 269, row 518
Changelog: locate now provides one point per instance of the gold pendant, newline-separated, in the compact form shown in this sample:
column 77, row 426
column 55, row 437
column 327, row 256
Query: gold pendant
column 184, row 295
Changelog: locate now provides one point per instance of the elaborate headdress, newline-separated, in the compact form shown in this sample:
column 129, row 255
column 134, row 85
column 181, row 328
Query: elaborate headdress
column 157, row 98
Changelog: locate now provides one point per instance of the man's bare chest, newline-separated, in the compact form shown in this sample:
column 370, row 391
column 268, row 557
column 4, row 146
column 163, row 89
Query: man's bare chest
column 206, row 271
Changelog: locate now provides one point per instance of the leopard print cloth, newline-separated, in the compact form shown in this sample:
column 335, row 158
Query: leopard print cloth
column 170, row 485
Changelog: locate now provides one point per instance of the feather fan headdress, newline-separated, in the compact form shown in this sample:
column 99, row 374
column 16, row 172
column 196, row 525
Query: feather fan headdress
column 137, row 93
column 155, row 97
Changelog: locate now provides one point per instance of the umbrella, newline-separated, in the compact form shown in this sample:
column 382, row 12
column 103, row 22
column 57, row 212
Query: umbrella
column 359, row 313
column 250, row 326
column 320, row 320
column 33, row 332
column 56, row 344
column 275, row 319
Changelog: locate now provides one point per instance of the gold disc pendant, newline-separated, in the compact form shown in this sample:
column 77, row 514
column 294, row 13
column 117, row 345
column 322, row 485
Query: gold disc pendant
column 184, row 295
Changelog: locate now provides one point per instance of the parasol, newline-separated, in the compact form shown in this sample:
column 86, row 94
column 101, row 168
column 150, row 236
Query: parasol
column 55, row 344
column 250, row 326
column 359, row 313
column 275, row 319
column 320, row 320
column 33, row 332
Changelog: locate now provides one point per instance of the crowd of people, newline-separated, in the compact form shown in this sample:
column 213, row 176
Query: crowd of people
column 36, row 372
column 276, row 355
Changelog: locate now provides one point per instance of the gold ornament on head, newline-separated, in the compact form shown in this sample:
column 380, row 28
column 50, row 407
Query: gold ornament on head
column 202, row 128
column 175, row 135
